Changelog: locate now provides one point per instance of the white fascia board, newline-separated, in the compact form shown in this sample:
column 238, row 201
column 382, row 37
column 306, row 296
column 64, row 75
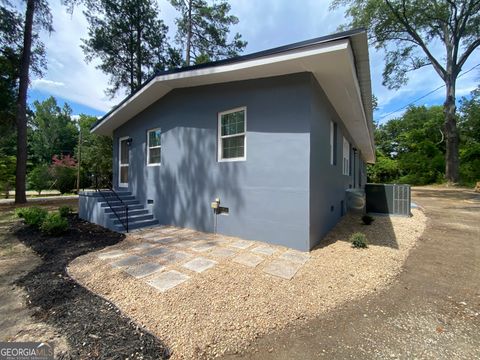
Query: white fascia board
column 217, row 74
column 369, row 156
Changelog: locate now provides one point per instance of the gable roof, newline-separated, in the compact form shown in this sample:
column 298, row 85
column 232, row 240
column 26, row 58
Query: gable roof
column 339, row 62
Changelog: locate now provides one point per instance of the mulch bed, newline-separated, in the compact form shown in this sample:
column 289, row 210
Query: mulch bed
column 93, row 327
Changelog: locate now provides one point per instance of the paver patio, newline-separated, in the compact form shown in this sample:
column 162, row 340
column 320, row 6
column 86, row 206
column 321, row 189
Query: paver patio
column 160, row 254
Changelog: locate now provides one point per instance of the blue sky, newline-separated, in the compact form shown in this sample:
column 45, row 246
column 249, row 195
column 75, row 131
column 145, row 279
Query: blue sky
column 264, row 24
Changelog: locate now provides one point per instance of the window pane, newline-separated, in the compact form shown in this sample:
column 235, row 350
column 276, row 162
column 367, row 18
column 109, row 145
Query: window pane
column 233, row 147
column 154, row 156
column 124, row 152
column 124, row 174
column 154, row 138
column 233, row 123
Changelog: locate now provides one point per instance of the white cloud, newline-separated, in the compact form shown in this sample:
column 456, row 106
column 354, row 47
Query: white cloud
column 45, row 84
column 264, row 24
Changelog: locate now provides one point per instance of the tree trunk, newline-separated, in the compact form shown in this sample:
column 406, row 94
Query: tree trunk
column 189, row 34
column 451, row 134
column 21, row 169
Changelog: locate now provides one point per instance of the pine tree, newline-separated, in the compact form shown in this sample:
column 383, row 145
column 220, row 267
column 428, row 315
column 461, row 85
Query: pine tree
column 129, row 39
column 203, row 30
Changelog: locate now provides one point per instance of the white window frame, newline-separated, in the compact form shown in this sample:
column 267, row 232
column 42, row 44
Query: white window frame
column 120, row 165
column 346, row 157
column 153, row 147
column 220, row 137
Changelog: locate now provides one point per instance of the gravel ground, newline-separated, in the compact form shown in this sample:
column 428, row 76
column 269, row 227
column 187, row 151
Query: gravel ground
column 91, row 326
column 224, row 309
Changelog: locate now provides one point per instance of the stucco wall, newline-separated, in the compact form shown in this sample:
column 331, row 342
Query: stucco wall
column 267, row 195
column 327, row 183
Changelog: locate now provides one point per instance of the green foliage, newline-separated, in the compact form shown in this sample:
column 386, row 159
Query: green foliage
column 33, row 216
column 39, row 178
column 129, row 39
column 7, row 173
column 410, row 149
column 358, row 240
column 54, row 132
column 92, row 146
column 203, row 30
column 54, row 224
column 64, row 211
column 367, row 219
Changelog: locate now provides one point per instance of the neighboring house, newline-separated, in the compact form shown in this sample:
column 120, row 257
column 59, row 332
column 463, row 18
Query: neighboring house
column 278, row 136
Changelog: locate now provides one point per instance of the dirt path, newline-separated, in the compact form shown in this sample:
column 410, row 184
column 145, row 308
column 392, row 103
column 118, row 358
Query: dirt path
column 431, row 312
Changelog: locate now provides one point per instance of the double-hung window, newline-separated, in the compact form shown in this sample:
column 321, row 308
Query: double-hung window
column 333, row 143
column 232, row 131
column 154, row 147
column 346, row 157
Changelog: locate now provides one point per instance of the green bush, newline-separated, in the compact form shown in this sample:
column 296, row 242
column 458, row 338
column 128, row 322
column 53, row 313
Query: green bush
column 358, row 240
column 367, row 219
column 19, row 212
column 33, row 216
column 64, row 211
column 54, row 224
column 39, row 178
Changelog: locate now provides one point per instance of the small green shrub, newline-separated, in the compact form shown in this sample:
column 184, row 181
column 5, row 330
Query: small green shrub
column 367, row 219
column 359, row 240
column 54, row 224
column 20, row 212
column 33, row 216
column 64, row 211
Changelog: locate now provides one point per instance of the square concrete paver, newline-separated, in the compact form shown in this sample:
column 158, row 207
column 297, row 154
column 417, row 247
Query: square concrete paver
column 160, row 239
column 199, row 264
column 203, row 247
column 127, row 261
column 112, row 254
column 168, row 280
column 264, row 250
column 140, row 271
column 156, row 251
column 142, row 246
column 222, row 252
column 248, row 259
column 295, row 256
column 282, row 268
column 173, row 257
column 241, row 244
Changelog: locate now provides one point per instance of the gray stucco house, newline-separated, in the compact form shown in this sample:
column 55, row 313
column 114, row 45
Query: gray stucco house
column 277, row 136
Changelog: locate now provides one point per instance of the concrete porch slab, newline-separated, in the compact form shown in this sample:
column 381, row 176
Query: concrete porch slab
column 282, row 268
column 127, row 261
column 248, row 259
column 168, row 280
column 140, row 271
column 199, row 264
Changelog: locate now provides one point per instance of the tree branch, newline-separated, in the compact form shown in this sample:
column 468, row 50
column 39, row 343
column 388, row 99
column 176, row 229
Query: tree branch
column 467, row 53
column 413, row 33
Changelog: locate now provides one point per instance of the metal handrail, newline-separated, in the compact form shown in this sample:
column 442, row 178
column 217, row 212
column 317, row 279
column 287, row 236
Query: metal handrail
column 109, row 186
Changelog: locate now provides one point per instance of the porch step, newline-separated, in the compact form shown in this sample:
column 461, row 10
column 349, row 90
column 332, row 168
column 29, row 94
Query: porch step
column 133, row 219
column 131, row 213
column 137, row 225
column 122, row 208
column 118, row 203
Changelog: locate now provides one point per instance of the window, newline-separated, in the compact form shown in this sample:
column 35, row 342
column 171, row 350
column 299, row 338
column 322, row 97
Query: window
column 154, row 147
column 232, row 135
column 333, row 143
column 346, row 157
